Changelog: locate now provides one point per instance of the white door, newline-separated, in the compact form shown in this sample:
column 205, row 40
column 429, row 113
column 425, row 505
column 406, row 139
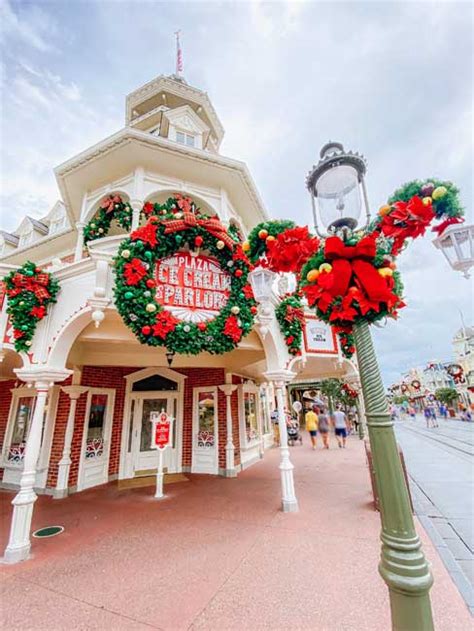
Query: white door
column 94, row 462
column 205, row 439
column 144, row 458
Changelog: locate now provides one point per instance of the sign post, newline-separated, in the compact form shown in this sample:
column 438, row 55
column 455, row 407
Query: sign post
column 161, row 438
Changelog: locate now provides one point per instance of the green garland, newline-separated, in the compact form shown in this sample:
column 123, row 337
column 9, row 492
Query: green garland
column 112, row 207
column 134, row 287
column 30, row 290
column 290, row 316
column 256, row 245
column 347, row 343
column 445, row 204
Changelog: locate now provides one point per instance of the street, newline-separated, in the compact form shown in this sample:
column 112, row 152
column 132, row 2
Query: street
column 440, row 466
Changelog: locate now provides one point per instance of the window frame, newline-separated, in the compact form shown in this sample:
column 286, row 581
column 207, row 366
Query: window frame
column 243, row 389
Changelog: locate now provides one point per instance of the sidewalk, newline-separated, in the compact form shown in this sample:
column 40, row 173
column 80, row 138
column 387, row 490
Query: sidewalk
column 217, row 554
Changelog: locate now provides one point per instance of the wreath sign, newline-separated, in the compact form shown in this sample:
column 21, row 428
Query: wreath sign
column 174, row 227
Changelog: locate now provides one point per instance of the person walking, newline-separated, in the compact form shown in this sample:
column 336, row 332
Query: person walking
column 323, row 427
column 311, row 422
column 427, row 413
column 433, row 415
column 340, row 427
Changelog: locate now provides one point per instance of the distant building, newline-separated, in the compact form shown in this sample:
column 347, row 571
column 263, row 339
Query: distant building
column 463, row 351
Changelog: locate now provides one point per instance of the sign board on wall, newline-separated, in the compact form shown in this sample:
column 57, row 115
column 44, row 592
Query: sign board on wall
column 319, row 337
column 193, row 288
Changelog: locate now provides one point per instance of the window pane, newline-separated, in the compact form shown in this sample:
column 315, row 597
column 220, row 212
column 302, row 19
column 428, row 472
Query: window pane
column 130, row 431
column 189, row 140
column 206, row 411
column 250, row 412
column 95, row 427
column 149, row 405
column 180, row 137
column 21, row 427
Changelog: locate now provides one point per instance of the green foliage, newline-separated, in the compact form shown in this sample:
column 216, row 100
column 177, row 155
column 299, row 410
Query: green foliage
column 258, row 246
column 99, row 225
column 400, row 399
column 290, row 316
column 446, row 395
column 447, row 206
column 30, row 290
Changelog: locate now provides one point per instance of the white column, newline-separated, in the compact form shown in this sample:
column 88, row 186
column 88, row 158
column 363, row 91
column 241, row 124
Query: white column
column 80, row 241
column 18, row 547
column 64, row 465
column 289, row 502
column 230, row 471
column 136, row 205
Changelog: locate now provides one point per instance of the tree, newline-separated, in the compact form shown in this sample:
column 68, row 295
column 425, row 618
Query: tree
column 446, row 395
column 400, row 399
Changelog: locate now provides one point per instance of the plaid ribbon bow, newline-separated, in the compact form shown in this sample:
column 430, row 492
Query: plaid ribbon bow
column 36, row 284
column 109, row 203
column 189, row 220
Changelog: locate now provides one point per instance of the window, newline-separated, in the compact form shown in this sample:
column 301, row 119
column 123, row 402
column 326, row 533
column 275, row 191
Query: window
column 250, row 416
column 206, row 418
column 96, row 426
column 26, row 238
column 185, row 139
column 57, row 224
column 21, row 427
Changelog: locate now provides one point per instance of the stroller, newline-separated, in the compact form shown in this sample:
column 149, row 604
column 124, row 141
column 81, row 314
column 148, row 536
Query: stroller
column 294, row 434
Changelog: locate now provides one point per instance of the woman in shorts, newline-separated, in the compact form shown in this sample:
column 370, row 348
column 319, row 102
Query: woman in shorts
column 311, row 422
column 323, row 427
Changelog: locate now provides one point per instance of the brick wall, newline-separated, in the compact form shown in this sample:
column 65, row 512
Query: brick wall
column 113, row 377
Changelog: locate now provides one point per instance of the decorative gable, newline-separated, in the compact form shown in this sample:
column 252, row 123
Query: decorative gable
column 183, row 124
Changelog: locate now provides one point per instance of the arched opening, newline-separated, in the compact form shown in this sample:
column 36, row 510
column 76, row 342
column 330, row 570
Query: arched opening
column 95, row 209
column 160, row 197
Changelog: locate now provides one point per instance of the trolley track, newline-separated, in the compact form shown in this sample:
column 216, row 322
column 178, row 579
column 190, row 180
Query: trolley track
column 444, row 442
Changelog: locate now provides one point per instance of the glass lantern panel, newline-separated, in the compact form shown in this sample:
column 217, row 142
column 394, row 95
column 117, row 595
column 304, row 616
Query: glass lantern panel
column 447, row 247
column 338, row 194
column 464, row 243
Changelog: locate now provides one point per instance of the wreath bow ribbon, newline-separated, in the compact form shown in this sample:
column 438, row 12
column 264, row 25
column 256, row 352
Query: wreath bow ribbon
column 37, row 285
column 189, row 220
column 109, row 204
column 355, row 260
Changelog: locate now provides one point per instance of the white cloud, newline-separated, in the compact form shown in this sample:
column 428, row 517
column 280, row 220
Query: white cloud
column 31, row 26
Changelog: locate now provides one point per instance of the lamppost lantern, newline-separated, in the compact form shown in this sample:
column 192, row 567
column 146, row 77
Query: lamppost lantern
column 261, row 280
column 338, row 193
column 457, row 245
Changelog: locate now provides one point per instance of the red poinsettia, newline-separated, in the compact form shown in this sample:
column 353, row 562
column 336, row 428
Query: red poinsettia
column 146, row 233
column 38, row 312
column 17, row 334
column 232, row 329
column 290, row 339
column 134, row 271
column 291, row 249
column 148, row 208
column 165, row 323
column 239, row 255
column 409, row 219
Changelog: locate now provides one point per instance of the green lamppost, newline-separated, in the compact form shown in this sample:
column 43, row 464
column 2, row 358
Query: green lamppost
column 339, row 199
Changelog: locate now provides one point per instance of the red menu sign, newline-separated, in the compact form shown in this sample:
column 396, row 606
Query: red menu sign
column 193, row 288
column 161, row 430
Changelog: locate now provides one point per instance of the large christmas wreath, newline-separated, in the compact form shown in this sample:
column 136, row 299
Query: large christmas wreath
column 112, row 207
column 177, row 226
column 30, row 290
column 290, row 316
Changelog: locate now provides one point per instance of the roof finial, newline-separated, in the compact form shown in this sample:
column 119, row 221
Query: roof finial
column 179, row 55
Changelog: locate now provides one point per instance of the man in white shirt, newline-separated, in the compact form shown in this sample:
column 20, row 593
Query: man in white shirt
column 340, row 427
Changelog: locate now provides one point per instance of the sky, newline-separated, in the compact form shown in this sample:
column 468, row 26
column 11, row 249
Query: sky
column 392, row 80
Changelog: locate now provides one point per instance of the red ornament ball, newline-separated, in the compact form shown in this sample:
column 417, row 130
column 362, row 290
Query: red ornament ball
column 253, row 309
column 202, row 326
column 146, row 330
column 238, row 273
column 150, row 283
column 198, row 241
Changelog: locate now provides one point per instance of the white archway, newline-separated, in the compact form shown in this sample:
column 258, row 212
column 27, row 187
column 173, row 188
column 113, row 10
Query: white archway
column 94, row 207
column 161, row 195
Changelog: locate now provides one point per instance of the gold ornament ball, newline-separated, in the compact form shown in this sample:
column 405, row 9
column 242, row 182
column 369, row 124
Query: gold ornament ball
column 245, row 246
column 270, row 238
column 384, row 210
column 427, row 201
column 325, row 267
column 150, row 307
column 178, row 215
column 28, row 342
column 439, row 192
column 385, row 271
column 125, row 254
column 220, row 245
column 235, row 310
column 263, row 234
column 312, row 275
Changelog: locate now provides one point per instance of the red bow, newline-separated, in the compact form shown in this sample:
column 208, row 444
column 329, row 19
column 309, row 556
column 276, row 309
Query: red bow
column 444, row 224
column 354, row 260
column 212, row 225
column 36, row 284
column 109, row 202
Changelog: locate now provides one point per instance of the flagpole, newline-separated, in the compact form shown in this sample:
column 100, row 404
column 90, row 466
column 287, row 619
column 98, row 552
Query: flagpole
column 179, row 55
